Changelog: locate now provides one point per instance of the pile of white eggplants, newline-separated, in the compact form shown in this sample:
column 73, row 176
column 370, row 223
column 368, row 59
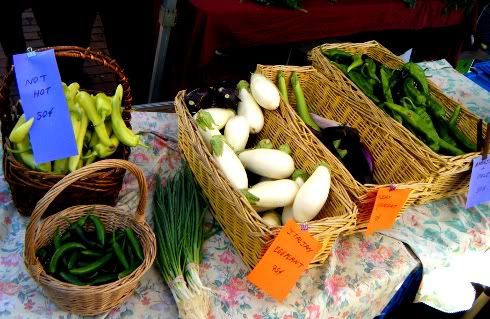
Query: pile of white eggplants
column 282, row 186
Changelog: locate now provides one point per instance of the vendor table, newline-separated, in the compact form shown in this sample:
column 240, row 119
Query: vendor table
column 357, row 281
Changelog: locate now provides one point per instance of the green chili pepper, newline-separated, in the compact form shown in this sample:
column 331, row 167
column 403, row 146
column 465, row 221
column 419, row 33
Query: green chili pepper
column 102, row 151
column 103, row 279
column 124, row 134
column 281, row 84
column 103, row 104
column 339, row 56
column 91, row 253
column 92, row 267
column 71, row 279
column 414, row 94
column 88, row 105
column 301, row 106
column 436, row 108
column 356, row 62
column 74, row 160
column 385, row 83
column 125, row 273
column 119, row 252
column 422, row 123
column 41, row 252
column 453, row 121
column 73, row 259
column 60, row 252
column 443, row 131
column 57, row 238
column 20, row 132
column 371, row 67
column 99, row 228
column 65, row 237
column 450, row 149
column 134, row 242
column 342, row 67
column 418, row 74
column 363, row 85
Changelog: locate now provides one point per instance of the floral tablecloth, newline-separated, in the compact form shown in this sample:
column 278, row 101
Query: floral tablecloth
column 357, row 281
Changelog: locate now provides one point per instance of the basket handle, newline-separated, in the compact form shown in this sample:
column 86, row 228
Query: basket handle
column 41, row 206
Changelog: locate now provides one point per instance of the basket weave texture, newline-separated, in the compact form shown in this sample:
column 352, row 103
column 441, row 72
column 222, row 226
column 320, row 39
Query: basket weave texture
column 393, row 164
column 449, row 175
column 28, row 186
column 88, row 300
column 241, row 223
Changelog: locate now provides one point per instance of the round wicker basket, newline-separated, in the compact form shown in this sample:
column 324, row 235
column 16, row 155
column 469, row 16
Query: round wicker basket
column 88, row 300
column 28, row 186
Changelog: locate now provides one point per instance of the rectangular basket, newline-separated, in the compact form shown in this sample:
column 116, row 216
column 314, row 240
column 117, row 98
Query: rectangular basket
column 241, row 223
column 450, row 174
column 393, row 164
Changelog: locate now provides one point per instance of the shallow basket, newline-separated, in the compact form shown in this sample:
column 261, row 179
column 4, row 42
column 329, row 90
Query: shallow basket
column 449, row 175
column 88, row 300
column 393, row 164
column 241, row 223
column 28, row 186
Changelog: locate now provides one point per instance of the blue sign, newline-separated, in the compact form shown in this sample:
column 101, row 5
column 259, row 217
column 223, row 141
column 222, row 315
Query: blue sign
column 41, row 92
column 479, row 191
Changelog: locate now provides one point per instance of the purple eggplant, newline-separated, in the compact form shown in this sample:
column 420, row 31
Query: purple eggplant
column 223, row 96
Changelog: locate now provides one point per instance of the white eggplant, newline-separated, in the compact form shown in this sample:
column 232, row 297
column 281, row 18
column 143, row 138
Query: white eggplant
column 229, row 163
column 299, row 177
column 220, row 116
column 268, row 162
column 272, row 194
column 206, row 126
column 287, row 214
column 248, row 108
column 312, row 195
column 271, row 218
column 264, row 91
column 236, row 132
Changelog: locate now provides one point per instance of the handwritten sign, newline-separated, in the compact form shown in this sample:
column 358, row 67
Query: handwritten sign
column 284, row 262
column 479, row 191
column 388, row 204
column 39, row 84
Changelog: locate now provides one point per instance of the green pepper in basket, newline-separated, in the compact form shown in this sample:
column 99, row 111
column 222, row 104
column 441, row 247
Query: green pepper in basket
column 418, row 74
column 339, row 56
column 413, row 93
column 356, row 62
column 421, row 123
column 370, row 68
column 386, row 75
column 459, row 136
column 361, row 82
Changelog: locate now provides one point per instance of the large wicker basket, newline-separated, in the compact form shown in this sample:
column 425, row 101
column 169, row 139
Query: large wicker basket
column 88, row 300
column 241, row 223
column 449, row 174
column 28, row 186
column 393, row 164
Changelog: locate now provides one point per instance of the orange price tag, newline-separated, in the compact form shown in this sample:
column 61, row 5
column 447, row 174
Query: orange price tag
column 388, row 204
column 284, row 262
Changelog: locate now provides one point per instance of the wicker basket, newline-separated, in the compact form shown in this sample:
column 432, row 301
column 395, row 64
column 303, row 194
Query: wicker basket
column 88, row 300
column 28, row 186
column 449, row 174
column 241, row 223
column 393, row 164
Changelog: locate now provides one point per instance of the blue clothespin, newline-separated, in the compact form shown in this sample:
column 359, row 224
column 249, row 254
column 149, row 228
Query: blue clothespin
column 30, row 52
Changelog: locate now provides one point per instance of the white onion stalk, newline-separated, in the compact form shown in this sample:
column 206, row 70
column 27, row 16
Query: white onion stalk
column 264, row 91
column 268, row 162
column 236, row 132
column 312, row 195
column 248, row 108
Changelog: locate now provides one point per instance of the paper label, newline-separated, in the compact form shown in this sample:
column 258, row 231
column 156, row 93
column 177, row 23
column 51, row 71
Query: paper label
column 284, row 262
column 42, row 96
column 387, row 206
column 479, row 190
